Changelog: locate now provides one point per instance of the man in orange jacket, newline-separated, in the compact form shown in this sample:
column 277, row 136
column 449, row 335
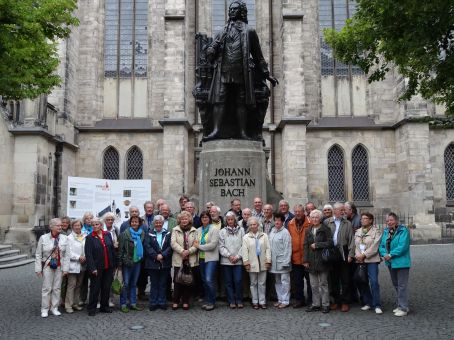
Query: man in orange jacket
column 297, row 228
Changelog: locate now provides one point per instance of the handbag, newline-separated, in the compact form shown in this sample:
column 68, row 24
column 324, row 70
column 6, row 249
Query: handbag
column 117, row 286
column 360, row 276
column 184, row 276
column 331, row 255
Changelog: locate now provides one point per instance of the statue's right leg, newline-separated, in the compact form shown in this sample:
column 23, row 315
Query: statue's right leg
column 217, row 114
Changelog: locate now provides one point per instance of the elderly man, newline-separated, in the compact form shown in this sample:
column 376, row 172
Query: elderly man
column 284, row 209
column 216, row 219
column 257, row 211
column 182, row 201
column 344, row 242
column 147, row 218
column 310, row 206
column 190, row 207
column 235, row 206
column 297, row 228
column 169, row 221
column 159, row 202
column 351, row 213
column 268, row 218
column 247, row 213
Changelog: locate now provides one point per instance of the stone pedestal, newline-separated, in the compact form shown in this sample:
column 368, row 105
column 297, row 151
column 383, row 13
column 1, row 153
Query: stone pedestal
column 231, row 169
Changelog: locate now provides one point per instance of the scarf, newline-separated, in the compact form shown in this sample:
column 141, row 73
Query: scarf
column 104, row 247
column 138, row 248
column 203, row 240
column 88, row 229
column 232, row 230
column 159, row 237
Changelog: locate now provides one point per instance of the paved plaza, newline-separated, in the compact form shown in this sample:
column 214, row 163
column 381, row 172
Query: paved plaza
column 431, row 317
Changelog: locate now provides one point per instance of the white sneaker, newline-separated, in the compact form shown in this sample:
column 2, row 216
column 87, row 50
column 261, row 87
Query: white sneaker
column 69, row 310
column 395, row 310
column 98, row 305
column 44, row 314
column 400, row 313
column 111, row 304
column 55, row 312
column 378, row 310
column 365, row 307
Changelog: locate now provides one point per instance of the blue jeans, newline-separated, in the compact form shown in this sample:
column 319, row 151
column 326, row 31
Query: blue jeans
column 208, row 274
column 130, row 277
column 158, row 286
column 371, row 291
column 233, row 276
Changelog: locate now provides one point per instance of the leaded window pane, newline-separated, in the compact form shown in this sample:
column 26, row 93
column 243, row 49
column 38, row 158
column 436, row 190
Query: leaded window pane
column 360, row 174
column 220, row 10
column 336, row 176
column 111, row 164
column 134, row 160
column 126, row 38
column 333, row 14
column 449, row 172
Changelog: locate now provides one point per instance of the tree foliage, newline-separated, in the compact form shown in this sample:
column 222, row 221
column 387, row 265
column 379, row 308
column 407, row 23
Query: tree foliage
column 416, row 36
column 29, row 33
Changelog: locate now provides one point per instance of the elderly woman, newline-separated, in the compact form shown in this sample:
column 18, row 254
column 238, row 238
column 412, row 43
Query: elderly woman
column 109, row 220
column 51, row 263
column 184, row 244
column 208, row 241
column 158, row 262
column 130, row 256
column 230, row 243
column 76, row 272
column 281, row 260
column 318, row 237
column 100, row 257
column 367, row 241
column 395, row 250
column 256, row 255
column 87, row 228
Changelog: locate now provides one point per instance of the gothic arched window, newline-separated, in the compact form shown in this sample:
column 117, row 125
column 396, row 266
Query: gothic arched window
column 111, row 164
column 449, row 172
column 134, row 163
column 360, row 174
column 336, row 175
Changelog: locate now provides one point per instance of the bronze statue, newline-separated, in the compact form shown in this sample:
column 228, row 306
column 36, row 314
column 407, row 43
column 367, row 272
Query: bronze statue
column 231, row 89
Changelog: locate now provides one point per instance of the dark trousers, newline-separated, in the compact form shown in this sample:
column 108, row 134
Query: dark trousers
column 181, row 292
column 143, row 279
column 299, row 273
column 158, row 286
column 100, row 286
column 339, row 282
column 354, row 288
column 270, row 287
column 198, row 283
column 84, row 288
column 233, row 276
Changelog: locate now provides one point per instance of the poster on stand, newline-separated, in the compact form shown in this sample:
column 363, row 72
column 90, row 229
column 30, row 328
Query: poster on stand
column 104, row 195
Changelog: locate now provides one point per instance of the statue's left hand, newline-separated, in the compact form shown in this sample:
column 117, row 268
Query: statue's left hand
column 272, row 80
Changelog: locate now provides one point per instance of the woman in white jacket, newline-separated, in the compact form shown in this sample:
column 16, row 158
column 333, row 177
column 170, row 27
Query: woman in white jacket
column 76, row 243
column 281, row 260
column 257, row 260
column 51, row 263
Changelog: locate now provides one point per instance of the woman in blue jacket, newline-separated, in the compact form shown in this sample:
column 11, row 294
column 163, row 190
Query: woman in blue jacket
column 158, row 262
column 395, row 250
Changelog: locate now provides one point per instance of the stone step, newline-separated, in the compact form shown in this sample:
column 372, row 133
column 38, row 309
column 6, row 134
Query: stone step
column 12, row 259
column 9, row 252
column 16, row 264
column 5, row 246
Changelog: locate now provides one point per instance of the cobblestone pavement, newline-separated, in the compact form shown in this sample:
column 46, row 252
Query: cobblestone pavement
column 431, row 317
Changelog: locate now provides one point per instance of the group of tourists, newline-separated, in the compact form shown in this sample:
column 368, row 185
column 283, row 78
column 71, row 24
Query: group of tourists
column 325, row 259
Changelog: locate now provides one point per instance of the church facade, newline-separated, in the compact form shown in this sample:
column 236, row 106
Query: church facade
column 125, row 110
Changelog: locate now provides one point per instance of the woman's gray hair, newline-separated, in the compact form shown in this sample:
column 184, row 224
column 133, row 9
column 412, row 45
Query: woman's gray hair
column 75, row 222
column 158, row 218
column 328, row 206
column 97, row 219
column 316, row 212
column 53, row 222
column 85, row 216
column 252, row 219
column 231, row 214
column 108, row 215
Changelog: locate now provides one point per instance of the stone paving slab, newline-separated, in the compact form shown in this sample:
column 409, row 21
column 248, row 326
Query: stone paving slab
column 431, row 317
